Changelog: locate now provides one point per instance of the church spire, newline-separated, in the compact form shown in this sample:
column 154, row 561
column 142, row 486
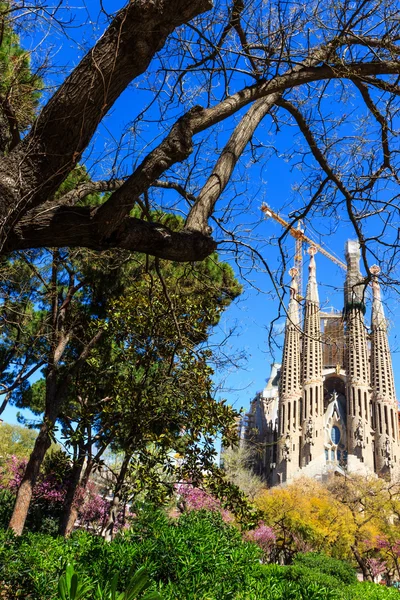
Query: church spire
column 313, row 401
column 384, row 396
column 359, row 432
column 289, row 387
column 312, row 288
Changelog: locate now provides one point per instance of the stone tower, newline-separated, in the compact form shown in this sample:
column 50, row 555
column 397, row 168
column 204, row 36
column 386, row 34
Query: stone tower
column 383, row 393
column 290, row 388
column 312, row 444
column 331, row 406
column 359, row 426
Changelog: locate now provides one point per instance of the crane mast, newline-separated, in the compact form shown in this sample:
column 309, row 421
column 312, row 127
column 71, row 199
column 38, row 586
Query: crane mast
column 300, row 238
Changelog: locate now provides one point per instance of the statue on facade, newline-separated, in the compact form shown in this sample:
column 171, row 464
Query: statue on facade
column 334, row 396
column 359, row 434
column 388, row 454
column 286, row 449
column 309, row 433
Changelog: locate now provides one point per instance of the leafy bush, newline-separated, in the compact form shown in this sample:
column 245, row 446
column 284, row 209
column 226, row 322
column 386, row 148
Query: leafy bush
column 198, row 557
column 325, row 564
column 7, row 500
column 369, row 591
column 304, row 576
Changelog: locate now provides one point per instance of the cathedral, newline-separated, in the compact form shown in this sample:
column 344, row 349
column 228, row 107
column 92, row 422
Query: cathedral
column 331, row 405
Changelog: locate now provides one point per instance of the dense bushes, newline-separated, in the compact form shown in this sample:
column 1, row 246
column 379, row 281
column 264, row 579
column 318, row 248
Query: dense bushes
column 198, row 557
column 326, row 565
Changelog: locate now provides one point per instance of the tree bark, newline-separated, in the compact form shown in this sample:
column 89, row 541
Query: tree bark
column 25, row 491
column 361, row 563
column 108, row 531
column 35, row 169
column 78, row 227
column 76, row 484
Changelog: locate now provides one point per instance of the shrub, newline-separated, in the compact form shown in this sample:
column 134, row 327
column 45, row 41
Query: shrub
column 197, row 557
column 7, row 500
column 369, row 591
column 325, row 564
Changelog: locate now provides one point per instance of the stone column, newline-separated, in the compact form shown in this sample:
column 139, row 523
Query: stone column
column 289, row 390
column 359, row 426
column 383, row 391
column 313, row 397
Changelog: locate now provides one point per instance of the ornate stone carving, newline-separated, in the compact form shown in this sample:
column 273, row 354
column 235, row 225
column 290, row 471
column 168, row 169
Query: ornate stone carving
column 286, row 449
column 334, row 396
column 309, row 433
column 359, row 434
column 388, row 459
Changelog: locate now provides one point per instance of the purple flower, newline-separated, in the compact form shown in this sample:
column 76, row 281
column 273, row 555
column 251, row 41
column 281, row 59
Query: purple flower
column 263, row 536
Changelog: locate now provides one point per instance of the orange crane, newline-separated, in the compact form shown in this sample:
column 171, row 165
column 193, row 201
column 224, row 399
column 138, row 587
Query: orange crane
column 300, row 238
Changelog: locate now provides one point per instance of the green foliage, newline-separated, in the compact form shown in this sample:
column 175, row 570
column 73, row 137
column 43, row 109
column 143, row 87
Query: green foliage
column 137, row 584
column 198, row 557
column 324, row 564
column 369, row 591
column 71, row 586
column 19, row 85
column 15, row 440
column 7, row 500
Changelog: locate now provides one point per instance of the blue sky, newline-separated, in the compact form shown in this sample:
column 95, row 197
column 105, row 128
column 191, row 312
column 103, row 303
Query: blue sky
column 271, row 181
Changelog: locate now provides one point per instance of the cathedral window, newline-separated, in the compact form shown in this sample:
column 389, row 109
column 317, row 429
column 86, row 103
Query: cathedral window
column 380, row 418
column 386, row 420
column 392, row 420
column 335, row 435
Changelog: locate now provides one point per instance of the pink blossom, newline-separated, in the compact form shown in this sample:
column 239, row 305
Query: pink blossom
column 193, row 498
column 376, row 566
column 263, row 536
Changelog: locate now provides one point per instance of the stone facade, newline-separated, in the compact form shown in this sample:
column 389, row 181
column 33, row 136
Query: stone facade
column 331, row 405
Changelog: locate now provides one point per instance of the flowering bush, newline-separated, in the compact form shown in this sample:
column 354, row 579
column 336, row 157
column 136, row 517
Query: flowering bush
column 192, row 498
column 49, row 496
column 263, row 536
column 94, row 511
column 376, row 567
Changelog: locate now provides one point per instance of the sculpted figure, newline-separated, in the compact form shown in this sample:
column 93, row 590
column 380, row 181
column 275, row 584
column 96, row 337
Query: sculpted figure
column 309, row 431
column 286, row 449
column 359, row 434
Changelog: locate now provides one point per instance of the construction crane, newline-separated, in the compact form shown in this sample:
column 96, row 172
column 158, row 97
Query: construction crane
column 300, row 238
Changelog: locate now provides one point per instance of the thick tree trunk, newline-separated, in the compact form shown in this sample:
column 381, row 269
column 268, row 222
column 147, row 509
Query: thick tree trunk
column 109, row 529
column 76, row 485
column 361, row 564
column 73, row 226
column 25, row 491
column 34, row 170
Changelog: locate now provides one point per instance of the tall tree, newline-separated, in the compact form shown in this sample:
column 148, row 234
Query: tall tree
column 118, row 352
column 70, row 305
column 23, row 327
column 255, row 62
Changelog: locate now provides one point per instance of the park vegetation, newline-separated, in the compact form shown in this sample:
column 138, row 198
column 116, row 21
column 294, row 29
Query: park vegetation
column 110, row 288
column 307, row 543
